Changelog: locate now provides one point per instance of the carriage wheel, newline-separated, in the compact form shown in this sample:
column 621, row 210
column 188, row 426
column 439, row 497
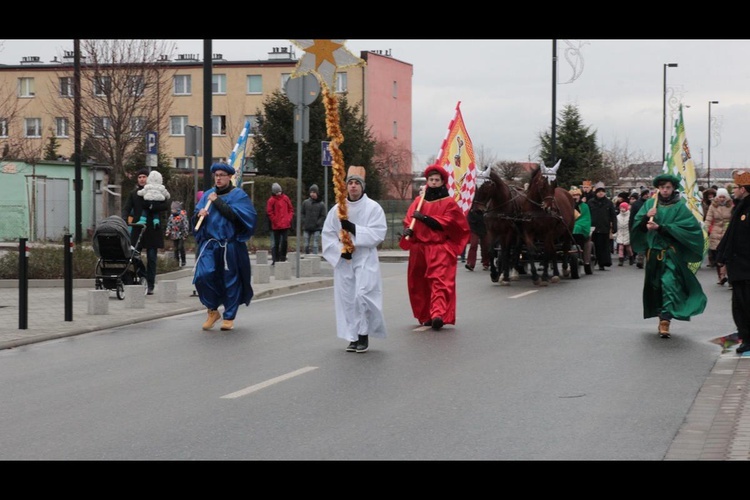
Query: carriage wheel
column 120, row 290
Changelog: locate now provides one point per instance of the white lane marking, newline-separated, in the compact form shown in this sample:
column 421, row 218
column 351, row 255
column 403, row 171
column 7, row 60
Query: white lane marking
column 263, row 385
column 523, row 294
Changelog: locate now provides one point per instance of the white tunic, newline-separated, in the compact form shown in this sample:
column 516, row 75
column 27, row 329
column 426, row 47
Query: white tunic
column 357, row 283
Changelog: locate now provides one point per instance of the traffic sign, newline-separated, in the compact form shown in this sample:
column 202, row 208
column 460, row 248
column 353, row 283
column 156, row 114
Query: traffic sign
column 151, row 143
column 326, row 159
column 302, row 89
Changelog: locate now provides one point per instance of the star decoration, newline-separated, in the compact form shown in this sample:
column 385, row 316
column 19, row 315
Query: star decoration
column 323, row 58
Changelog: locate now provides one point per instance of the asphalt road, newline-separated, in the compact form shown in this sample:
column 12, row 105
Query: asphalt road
column 566, row 372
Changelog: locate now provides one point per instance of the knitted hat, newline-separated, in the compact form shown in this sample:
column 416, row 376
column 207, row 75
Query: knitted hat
column 222, row 166
column 624, row 206
column 176, row 206
column 142, row 171
column 722, row 192
column 357, row 174
column 599, row 186
column 275, row 188
column 435, row 168
column 314, row 188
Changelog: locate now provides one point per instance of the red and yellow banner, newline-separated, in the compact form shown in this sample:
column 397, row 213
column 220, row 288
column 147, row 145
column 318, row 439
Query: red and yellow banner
column 456, row 155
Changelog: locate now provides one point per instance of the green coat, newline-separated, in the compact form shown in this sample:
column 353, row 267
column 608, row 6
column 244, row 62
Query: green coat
column 670, row 285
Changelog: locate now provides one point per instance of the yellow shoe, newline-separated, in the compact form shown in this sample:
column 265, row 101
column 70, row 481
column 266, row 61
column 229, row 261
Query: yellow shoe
column 213, row 317
column 227, row 324
column 664, row 328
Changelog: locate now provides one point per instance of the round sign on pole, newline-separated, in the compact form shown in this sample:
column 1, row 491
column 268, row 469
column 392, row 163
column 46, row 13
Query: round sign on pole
column 303, row 89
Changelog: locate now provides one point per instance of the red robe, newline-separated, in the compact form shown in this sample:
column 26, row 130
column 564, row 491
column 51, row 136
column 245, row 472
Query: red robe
column 433, row 258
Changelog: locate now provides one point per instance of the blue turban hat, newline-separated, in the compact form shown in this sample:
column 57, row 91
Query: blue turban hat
column 222, row 166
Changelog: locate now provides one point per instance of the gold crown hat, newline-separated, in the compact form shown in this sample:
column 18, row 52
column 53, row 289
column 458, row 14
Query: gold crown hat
column 358, row 174
column 741, row 178
column 575, row 191
column 586, row 184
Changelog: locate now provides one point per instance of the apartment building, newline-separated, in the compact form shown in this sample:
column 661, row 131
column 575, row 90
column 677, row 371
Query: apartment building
column 31, row 87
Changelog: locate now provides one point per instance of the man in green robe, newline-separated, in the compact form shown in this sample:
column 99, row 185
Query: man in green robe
column 671, row 237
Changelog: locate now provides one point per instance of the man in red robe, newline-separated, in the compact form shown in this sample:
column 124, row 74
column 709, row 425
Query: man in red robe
column 436, row 231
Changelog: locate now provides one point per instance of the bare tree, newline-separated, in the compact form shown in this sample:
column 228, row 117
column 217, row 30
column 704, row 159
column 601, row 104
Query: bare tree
column 484, row 158
column 623, row 165
column 30, row 151
column 392, row 161
column 509, row 170
column 10, row 112
column 125, row 92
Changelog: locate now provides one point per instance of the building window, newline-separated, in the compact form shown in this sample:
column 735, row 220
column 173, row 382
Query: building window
column 66, row 86
column 254, row 84
column 219, row 84
column 284, row 78
column 33, row 127
column 101, row 126
column 136, row 86
column 253, row 119
column 395, row 130
column 3, row 127
column 219, row 125
column 183, row 163
column 26, row 87
column 177, row 125
column 182, row 85
column 341, row 82
column 138, row 126
column 61, row 127
column 102, row 85
column 395, row 89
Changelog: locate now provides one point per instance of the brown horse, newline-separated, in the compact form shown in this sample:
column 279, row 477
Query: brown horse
column 550, row 212
column 501, row 207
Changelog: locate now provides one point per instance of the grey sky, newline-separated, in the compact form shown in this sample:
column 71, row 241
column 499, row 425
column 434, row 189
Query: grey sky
column 505, row 89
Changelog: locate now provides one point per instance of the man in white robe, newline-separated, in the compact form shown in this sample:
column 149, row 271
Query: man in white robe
column 357, row 283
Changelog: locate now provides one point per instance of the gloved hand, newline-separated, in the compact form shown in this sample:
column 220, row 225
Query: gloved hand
column 408, row 232
column 346, row 255
column 347, row 225
column 418, row 215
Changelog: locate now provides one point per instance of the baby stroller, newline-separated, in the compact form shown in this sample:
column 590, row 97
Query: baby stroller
column 119, row 262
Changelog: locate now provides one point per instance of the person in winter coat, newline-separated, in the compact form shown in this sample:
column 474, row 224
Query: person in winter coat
column 604, row 222
column 622, row 237
column 281, row 213
column 634, row 207
column 178, row 228
column 153, row 235
column 313, row 217
column 582, row 229
column 734, row 253
column 717, row 219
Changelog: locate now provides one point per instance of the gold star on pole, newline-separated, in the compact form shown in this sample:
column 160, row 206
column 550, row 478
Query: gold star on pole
column 323, row 58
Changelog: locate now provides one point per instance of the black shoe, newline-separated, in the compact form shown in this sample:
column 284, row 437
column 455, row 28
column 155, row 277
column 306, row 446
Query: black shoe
column 639, row 265
column 427, row 323
column 467, row 266
column 363, row 343
column 352, row 347
column 437, row 323
column 723, row 281
column 602, row 268
column 744, row 347
column 587, row 269
column 150, row 291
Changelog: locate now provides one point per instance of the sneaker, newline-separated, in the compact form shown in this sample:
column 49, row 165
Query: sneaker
column 227, row 324
column 363, row 343
column 723, row 281
column 743, row 347
column 352, row 347
column 213, row 317
column 437, row 323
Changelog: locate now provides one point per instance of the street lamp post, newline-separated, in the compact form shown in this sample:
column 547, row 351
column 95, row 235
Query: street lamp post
column 664, row 114
column 708, row 170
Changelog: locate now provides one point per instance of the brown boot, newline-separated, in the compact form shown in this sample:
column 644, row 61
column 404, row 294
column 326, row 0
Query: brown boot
column 227, row 324
column 213, row 317
column 664, row 328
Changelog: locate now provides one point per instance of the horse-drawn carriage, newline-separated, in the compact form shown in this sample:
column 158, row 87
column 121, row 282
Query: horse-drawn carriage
column 529, row 228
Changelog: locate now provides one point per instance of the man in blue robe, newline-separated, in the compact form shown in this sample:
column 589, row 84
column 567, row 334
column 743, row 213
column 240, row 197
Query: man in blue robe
column 222, row 268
